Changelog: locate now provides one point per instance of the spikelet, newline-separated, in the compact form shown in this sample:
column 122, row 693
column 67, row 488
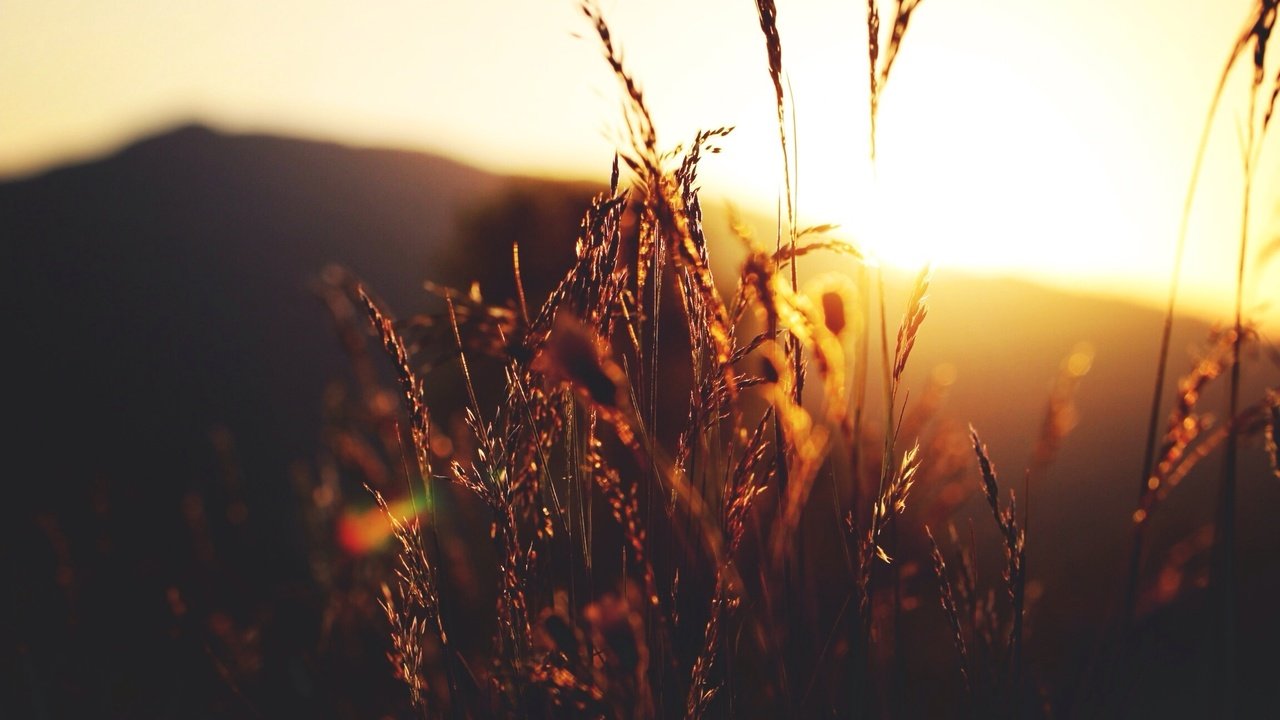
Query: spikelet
column 410, row 385
column 878, row 72
column 1014, row 545
column 624, row 504
column 909, row 329
column 413, row 607
column 767, row 12
column 947, row 596
column 785, row 255
column 902, row 11
column 643, row 136
column 1005, row 519
column 745, row 483
column 891, row 503
column 1260, row 34
column 873, row 56
column 670, row 222
column 1185, row 424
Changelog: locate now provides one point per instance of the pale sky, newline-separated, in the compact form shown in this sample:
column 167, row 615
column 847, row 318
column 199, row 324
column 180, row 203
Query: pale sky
column 1045, row 138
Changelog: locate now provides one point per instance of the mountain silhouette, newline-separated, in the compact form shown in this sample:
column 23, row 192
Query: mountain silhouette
column 161, row 306
column 162, row 317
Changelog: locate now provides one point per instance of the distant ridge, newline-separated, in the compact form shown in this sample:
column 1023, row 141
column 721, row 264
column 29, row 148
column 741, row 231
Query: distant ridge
column 199, row 246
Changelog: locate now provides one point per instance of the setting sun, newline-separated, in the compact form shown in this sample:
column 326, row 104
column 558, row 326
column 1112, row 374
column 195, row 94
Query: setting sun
column 1068, row 165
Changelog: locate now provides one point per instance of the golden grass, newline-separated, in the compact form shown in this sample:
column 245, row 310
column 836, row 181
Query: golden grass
column 700, row 608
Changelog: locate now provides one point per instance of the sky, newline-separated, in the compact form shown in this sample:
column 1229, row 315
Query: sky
column 1041, row 138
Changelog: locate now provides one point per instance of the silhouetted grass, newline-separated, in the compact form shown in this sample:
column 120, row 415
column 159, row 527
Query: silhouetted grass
column 701, row 600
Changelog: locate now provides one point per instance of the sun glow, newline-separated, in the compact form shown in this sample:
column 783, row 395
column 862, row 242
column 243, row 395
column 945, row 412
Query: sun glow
column 1062, row 158
column 1047, row 140
column 982, row 167
column 1014, row 187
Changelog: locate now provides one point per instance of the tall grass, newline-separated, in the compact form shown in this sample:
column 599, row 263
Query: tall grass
column 1156, row 471
column 637, row 392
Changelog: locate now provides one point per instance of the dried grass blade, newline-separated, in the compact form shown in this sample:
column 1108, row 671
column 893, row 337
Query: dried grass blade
column 901, row 18
column 410, row 384
column 909, row 329
column 873, row 55
column 947, row 596
column 768, row 15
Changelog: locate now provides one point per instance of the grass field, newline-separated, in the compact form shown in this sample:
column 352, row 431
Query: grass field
column 682, row 496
